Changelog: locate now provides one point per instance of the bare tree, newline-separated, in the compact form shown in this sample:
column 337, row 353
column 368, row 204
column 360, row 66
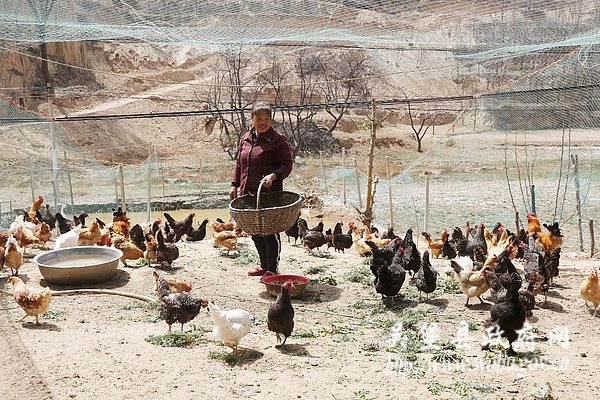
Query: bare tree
column 426, row 120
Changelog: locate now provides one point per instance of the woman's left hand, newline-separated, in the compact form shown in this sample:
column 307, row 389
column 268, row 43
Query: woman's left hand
column 267, row 181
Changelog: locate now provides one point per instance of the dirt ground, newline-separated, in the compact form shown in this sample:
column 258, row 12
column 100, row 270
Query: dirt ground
column 94, row 346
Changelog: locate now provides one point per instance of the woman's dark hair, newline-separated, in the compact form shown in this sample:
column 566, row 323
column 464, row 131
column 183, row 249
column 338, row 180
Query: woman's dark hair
column 261, row 106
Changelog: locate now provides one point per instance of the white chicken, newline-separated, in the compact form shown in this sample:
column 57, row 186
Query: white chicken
column 68, row 239
column 230, row 326
column 20, row 221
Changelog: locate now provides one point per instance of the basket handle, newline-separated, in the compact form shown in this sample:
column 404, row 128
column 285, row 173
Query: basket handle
column 258, row 195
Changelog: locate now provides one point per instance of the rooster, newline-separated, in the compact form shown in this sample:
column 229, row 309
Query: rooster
column 230, row 326
column 280, row 318
column 472, row 283
column 551, row 241
column 436, row 246
column 35, row 207
column 33, row 301
column 534, row 223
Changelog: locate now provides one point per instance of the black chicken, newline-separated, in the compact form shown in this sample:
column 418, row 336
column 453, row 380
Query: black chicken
column 390, row 278
column 337, row 230
column 293, row 230
column 176, row 307
column 535, row 268
column 169, row 234
column 64, row 224
column 318, row 228
column 280, row 318
column 46, row 217
column 155, row 227
column 384, row 253
column 182, row 227
column 448, row 249
column 339, row 242
column 198, row 233
column 499, row 284
column 80, row 219
column 166, row 253
column 477, row 246
column 507, row 316
column 426, row 280
column 136, row 234
column 311, row 239
column 412, row 256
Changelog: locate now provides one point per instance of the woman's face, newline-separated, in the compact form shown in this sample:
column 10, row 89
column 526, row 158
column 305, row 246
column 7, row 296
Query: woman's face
column 261, row 121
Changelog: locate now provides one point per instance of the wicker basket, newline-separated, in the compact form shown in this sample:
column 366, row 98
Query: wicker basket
column 266, row 214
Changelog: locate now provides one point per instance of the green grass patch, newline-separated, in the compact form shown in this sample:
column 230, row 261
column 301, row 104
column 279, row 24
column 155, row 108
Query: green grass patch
column 361, row 395
column 52, row 314
column 460, row 387
column 316, row 269
column 325, row 280
column 358, row 304
column 543, row 393
column 321, row 254
column 143, row 262
column 303, row 334
column 177, row 338
column 360, row 275
column 246, row 257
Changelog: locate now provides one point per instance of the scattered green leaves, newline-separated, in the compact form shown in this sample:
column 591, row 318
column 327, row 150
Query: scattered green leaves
column 543, row 393
column 326, row 280
column 321, row 254
column 360, row 275
column 143, row 261
column 245, row 257
column 176, row 338
column 52, row 314
column 316, row 269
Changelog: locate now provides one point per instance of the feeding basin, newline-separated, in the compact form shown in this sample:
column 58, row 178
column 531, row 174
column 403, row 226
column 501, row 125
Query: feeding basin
column 78, row 265
column 274, row 283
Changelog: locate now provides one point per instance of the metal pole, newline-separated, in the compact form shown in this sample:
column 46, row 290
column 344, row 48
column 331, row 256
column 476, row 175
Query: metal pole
column 122, row 188
column 387, row 167
column 343, row 172
column 31, row 182
column 575, row 161
column 53, row 146
column 426, row 227
column 116, row 190
column 533, row 199
column 69, row 178
column 357, row 184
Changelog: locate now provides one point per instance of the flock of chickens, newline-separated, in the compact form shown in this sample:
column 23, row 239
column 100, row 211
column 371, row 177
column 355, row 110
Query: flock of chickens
column 481, row 261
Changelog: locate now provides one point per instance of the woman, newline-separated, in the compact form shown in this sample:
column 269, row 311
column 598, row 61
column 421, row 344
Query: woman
column 265, row 156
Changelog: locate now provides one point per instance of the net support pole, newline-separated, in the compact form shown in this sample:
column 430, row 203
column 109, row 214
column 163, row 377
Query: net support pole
column 388, row 173
column 53, row 147
column 357, row 184
column 123, row 202
column 575, row 161
column 323, row 170
column 426, row 224
column 69, row 178
column 148, row 194
column 592, row 238
column 31, row 182
column 201, row 181
column 533, row 199
column 116, row 190
column 343, row 174
column 517, row 221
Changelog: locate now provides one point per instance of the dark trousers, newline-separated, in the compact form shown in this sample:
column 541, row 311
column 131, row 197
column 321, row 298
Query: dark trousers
column 269, row 248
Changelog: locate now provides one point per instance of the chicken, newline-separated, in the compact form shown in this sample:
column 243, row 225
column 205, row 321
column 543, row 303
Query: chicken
column 175, row 286
column 35, row 207
column 472, row 283
column 311, row 239
column 24, row 237
column 499, row 285
column 3, row 238
column 590, row 290
column 219, row 226
column 389, row 278
column 136, row 234
column 155, row 227
column 169, row 234
column 89, row 236
column 199, row 233
column 68, row 239
column 448, row 249
column 426, row 278
column 166, row 253
column 230, row 326
column 104, row 232
column 359, row 243
column 32, row 300
column 536, row 272
column 477, row 246
column 2, row 250
column 339, row 242
column 176, row 307
column 122, row 228
column 436, row 246
column 373, row 237
column 65, row 225
column 508, row 316
column 318, row 228
column 43, row 233
column 384, row 254
column 227, row 239
column 337, row 229
column 129, row 249
column 47, row 217
column 280, row 318
column 412, row 256
column 182, row 227
column 552, row 241
column 13, row 258
column 293, row 230
column 151, row 245
column 534, row 224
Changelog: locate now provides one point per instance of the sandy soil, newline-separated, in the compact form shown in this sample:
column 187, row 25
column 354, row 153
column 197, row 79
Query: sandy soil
column 93, row 346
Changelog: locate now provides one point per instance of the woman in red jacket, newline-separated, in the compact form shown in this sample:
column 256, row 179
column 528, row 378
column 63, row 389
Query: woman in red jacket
column 264, row 155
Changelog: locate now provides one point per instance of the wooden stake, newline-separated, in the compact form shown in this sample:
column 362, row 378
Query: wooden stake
column 201, row 182
column 148, row 194
column 31, row 182
column 592, row 238
column 343, row 172
column 122, row 188
column 369, row 205
column 517, row 221
column 69, row 178
column 389, row 178
column 357, row 184
column 116, row 191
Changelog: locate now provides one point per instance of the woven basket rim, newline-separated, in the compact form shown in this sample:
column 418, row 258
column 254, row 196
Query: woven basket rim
column 299, row 199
